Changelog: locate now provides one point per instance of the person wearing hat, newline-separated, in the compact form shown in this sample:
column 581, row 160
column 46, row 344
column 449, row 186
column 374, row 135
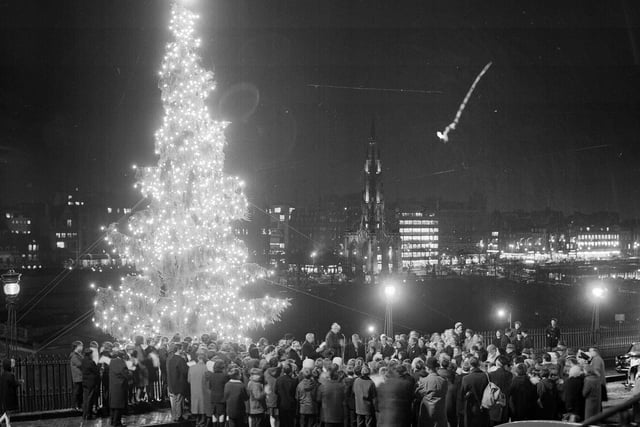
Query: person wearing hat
column 90, row 382
column 75, row 361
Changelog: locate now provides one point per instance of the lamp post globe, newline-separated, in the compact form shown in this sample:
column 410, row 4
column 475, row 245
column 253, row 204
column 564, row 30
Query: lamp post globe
column 390, row 291
column 598, row 294
column 11, row 289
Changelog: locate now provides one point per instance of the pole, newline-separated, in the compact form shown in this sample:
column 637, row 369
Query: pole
column 388, row 320
column 510, row 319
column 11, row 332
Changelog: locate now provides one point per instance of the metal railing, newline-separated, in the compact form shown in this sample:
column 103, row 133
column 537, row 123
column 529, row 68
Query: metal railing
column 47, row 384
column 608, row 339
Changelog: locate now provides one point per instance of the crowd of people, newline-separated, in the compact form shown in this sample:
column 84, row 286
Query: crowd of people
column 408, row 380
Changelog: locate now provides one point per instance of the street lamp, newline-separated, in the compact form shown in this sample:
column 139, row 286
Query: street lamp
column 598, row 294
column 371, row 329
column 503, row 312
column 389, row 294
column 11, row 288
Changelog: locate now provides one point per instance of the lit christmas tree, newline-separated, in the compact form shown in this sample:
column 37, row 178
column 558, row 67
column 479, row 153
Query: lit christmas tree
column 191, row 265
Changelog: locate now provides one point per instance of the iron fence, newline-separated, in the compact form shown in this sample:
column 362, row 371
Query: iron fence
column 610, row 340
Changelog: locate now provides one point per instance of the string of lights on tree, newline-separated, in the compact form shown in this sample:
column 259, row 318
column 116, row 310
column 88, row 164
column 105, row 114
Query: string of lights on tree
column 191, row 266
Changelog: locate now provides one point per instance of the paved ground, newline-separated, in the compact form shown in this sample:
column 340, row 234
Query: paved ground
column 616, row 391
column 156, row 418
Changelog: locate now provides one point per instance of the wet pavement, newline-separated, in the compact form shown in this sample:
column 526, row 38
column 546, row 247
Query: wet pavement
column 616, row 391
column 161, row 417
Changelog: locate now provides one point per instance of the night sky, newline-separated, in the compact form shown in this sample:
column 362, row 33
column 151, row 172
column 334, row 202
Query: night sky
column 554, row 123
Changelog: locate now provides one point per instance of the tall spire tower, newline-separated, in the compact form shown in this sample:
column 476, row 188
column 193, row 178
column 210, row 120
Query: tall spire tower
column 372, row 246
column 372, row 198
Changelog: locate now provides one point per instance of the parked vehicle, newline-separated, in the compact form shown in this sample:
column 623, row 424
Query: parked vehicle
column 630, row 358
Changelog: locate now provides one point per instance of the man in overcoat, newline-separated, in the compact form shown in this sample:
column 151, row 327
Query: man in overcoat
column 472, row 388
column 177, row 382
column 200, row 396
column 119, row 376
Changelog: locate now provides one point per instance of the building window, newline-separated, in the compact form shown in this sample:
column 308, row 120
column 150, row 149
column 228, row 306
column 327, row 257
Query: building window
column 109, row 210
column 69, row 223
column 60, row 245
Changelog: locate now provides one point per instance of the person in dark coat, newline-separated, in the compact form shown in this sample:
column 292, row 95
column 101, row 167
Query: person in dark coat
column 295, row 354
column 366, row 400
column 552, row 334
column 598, row 365
column 472, row 388
column 271, row 374
column 573, row 399
column 527, row 342
column 177, row 371
column 413, row 350
column 90, row 383
column 457, row 383
column 8, row 390
column 502, row 378
column 103, row 366
column 354, row 349
column 306, row 396
column 432, row 394
column 500, row 341
column 331, row 395
column 350, row 414
column 386, row 349
column 309, row 347
column 235, row 398
column 448, row 373
column 334, row 340
column 395, row 396
column 522, row 395
column 548, row 399
column 75, row 361
column 285, row 390
column 119, row 376
column 592, row 392
column 216, row 381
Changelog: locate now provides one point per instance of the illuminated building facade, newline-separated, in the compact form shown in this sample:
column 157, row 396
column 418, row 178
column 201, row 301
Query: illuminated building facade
column 419, row 234
column 595, row 242
column 276, row 234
